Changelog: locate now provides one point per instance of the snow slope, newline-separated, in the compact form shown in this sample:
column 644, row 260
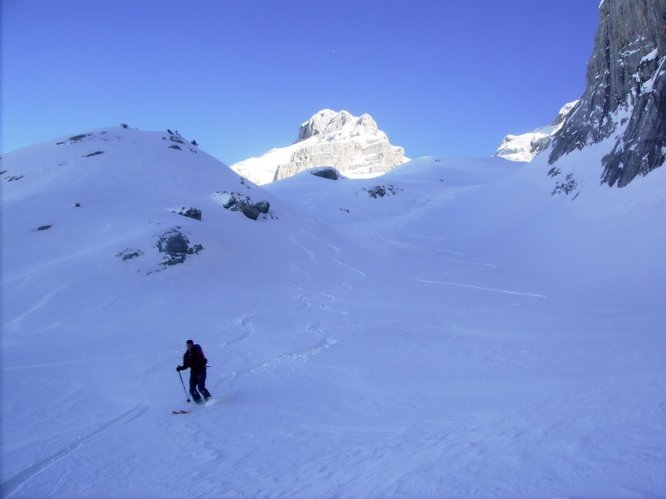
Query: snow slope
column 465, row 333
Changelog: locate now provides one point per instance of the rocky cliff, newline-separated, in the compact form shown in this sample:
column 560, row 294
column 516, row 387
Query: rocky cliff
column 625, row 97
column 353, row 145
column 526, row 146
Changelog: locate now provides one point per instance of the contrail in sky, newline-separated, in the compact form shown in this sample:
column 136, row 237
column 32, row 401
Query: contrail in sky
column 349, row 51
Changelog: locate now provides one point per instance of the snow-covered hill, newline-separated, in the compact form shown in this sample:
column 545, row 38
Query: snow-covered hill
column 353, row 145
column 455, row 327
column 449, row 328
column 526, row 146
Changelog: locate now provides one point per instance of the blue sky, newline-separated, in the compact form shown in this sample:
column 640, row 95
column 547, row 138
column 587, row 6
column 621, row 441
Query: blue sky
column 440, row 77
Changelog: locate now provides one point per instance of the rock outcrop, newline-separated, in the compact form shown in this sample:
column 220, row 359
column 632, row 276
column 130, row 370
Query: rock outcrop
column 353, row 145
column 526, row 146
column 327, row 172
column 175, row 247
column 235, row 201
column 625, row 96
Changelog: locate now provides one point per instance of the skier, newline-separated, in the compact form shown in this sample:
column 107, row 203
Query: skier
column 194, row 360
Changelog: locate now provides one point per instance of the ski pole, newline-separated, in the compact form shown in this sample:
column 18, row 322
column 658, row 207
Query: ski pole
column 181, row 382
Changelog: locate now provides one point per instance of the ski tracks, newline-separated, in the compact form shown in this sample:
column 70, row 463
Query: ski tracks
column 483, row 288
column 324, row 304
column 311, row 302
column 301, row 355
column 290, row 357
column 14, row 484
column 244, row 322
column 461, row 264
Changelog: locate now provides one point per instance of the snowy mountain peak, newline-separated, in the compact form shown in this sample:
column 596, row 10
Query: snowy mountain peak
column 328, row 123
column 526, row 146
column 354, row 145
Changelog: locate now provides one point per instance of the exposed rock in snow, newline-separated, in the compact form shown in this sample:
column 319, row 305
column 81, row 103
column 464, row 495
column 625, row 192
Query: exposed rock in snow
column 327, row 172
column 175, row 246
column 625, row 95
column 525, row 146
column 353, row 145
column 192, row 213
column 379, row 191
column 235, row 201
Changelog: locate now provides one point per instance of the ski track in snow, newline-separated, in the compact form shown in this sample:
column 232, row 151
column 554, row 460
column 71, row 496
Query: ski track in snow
column 91, row 360
column 43, row 301
column 432, row 238
column 324, row 304
column 285, row 358
column 304, row 299
column 302, row 355
column 353, row 269
column 295, row 242
column 246, row 323
column 292, row 357
column 482, row 288
column 13, row 484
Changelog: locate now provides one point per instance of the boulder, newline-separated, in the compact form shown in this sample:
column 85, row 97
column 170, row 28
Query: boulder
column 176, row 247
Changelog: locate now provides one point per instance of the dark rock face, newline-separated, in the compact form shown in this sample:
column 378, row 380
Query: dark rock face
column 379, row 191
column 240, row 202
column 566, row 186
column 176, row 247
column 129, row 254
column 625, row 94
column 193, row 213
column 75, row 139
column 326, row 172
column 641, row 147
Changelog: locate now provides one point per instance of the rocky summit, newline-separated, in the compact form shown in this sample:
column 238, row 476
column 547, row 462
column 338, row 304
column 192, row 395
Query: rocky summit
column 625, row 99
column 526, row 146
column 353, row 145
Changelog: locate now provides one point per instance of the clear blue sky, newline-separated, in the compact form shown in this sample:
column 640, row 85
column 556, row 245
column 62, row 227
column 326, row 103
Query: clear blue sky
column 440, row 77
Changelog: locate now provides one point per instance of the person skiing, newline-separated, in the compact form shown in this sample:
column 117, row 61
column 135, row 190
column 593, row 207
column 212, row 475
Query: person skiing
column 194, row 360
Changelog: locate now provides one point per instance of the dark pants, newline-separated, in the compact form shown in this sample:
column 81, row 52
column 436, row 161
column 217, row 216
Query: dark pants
column 198, row 380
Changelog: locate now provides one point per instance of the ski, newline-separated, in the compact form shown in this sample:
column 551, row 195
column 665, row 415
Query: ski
column 206, row 403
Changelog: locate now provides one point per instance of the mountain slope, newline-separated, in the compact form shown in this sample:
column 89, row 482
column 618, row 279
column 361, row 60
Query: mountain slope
column 425, row 333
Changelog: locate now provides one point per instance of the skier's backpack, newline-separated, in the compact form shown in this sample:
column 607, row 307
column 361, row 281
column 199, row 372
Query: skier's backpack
column 199, row 357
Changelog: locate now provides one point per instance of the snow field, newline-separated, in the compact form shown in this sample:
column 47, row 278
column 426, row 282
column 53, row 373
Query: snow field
column 467, row 335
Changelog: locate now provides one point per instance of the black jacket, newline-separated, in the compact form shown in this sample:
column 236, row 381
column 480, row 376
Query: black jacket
column 194, row 359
